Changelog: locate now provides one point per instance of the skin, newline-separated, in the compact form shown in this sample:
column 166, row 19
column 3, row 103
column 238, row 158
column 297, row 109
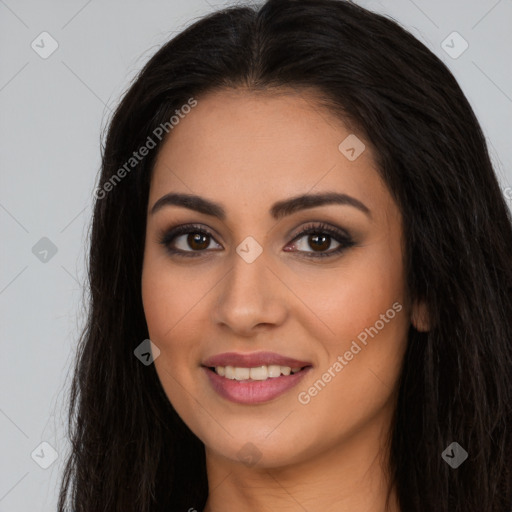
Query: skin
column 247, row 150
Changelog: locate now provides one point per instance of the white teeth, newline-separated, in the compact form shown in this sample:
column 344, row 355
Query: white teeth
column 286, row 370
column 257, row 373
column 242, row 373
column 230, row 372
column 274, row 370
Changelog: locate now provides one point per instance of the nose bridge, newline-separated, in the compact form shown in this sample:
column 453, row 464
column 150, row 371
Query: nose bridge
column 249, row 294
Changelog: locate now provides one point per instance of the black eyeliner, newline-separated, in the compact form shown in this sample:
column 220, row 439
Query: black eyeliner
column 341, row 236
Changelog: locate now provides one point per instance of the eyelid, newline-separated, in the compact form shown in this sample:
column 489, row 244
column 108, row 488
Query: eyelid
column 321, row 227
column 167, row 236
column 339, row 234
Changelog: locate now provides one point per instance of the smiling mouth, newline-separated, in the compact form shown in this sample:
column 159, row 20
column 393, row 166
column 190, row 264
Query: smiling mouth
column 258, row 373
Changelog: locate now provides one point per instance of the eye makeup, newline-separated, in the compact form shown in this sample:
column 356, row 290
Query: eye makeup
column 318, row 233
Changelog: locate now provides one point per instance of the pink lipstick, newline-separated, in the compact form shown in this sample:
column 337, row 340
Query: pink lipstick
column 253, row 378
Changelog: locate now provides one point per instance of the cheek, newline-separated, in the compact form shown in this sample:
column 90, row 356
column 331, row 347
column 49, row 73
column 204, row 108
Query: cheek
column 345, row 300
column 171, row 319
column 160, row 303
column 355, row 382
column 175, row 301
column 365, row 311
column 171, row 295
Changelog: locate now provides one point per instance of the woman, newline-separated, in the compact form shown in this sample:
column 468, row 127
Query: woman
column 298, row 209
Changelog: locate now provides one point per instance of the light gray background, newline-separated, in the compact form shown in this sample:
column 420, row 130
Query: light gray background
column 52, row 113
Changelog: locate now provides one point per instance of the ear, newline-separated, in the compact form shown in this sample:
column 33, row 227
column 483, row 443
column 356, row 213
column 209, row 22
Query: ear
column 420, row 317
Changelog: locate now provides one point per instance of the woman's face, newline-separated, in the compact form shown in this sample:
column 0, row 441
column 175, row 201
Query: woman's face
column 244, row 286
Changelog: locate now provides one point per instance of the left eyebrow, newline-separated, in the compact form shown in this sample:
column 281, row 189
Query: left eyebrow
column 289, row 206
column 278, row 210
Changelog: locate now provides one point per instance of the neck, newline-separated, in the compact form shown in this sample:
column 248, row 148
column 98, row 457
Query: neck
column 351, row 478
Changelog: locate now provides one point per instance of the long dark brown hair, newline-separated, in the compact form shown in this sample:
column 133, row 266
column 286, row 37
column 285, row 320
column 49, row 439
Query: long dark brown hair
column 130, row 450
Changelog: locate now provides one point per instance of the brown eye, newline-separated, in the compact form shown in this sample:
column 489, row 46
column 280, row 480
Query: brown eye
column 198, row 241
column 319, row 242
column 188, row 240
column 315, row 242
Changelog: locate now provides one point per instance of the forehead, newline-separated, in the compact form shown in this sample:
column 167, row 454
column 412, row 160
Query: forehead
column 259, row 147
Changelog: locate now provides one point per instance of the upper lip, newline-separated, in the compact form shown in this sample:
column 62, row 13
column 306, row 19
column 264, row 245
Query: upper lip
column 253, row 360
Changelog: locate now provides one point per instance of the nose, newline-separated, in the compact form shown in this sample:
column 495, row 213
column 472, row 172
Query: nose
column 250, row 298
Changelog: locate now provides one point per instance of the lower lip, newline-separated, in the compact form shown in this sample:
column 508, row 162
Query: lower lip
column 254, row 391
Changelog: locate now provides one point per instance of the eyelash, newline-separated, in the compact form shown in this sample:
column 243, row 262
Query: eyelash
column 345, row 241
